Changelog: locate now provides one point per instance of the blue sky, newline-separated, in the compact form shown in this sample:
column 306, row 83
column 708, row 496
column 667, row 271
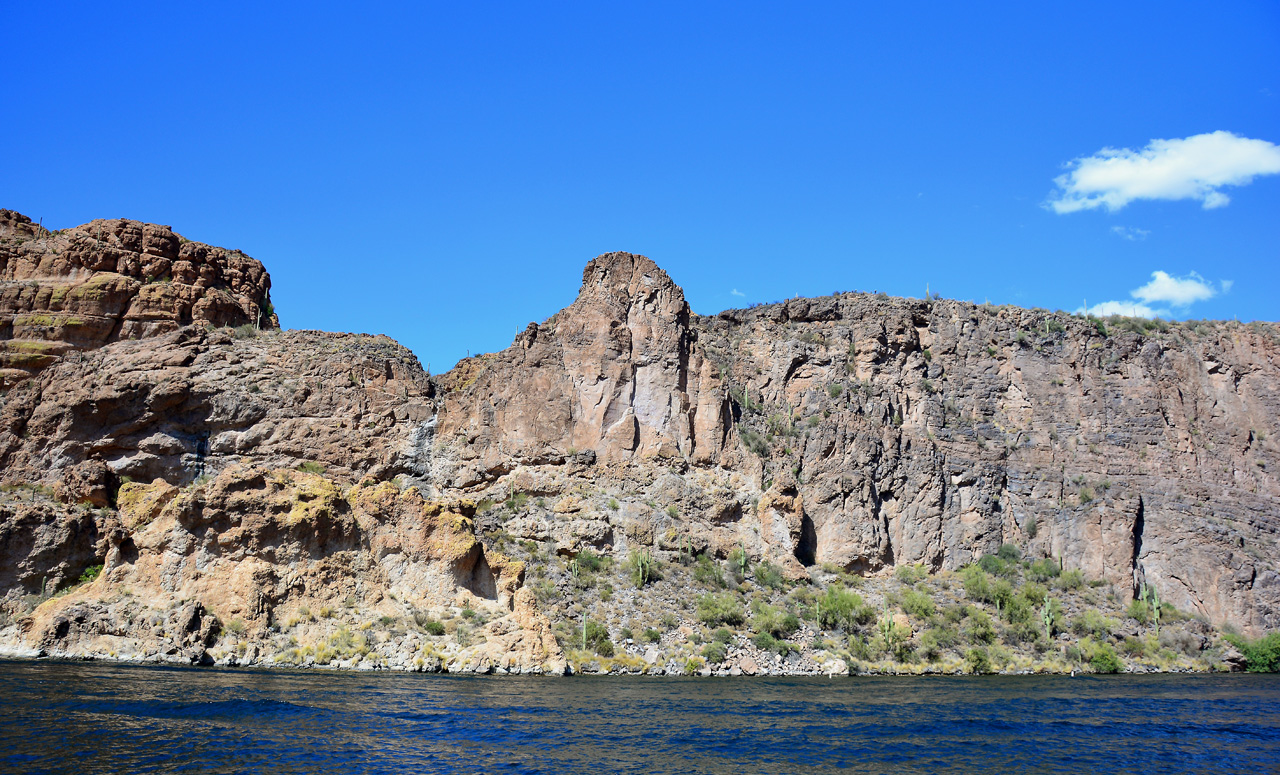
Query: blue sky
column 441, row 174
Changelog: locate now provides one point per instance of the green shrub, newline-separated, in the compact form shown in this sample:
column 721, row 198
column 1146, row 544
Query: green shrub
column 1261, row 655
column 773, row 620
column 90, row 573
column 588, row 560
column 917, row 603
column 977, row 584
column 1043, row 570
column 977, row 661
column 910, row 574
column 1138, row 611
column 596, row 638
column 842, row 608
column 650, row 635
column 433, row 627
column 1018, row 610
column 1035, row 593
column 1002, row 593
column 979, row 628
column 708, row 573
column 1103, row 659
column 768, row 575
column 754, row 442
column 766, row 642
column 714, row 653
column 1071, row 579
column 1009, row 553
column 310, row 467
column 722, row 635
column 1092, row 623
column 934, row 640
column 723, row 608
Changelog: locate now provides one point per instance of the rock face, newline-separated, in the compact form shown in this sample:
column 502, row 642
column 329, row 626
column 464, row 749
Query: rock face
column 233, row 486
column 616, row 373
column 80, row 288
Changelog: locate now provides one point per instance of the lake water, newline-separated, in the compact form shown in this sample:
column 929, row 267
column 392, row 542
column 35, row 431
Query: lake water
column 104, row 718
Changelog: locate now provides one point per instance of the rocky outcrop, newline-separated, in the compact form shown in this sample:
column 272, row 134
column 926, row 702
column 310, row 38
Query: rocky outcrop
column 868, row 432
column 109, row 280
column 616, row 373
column 269, row 476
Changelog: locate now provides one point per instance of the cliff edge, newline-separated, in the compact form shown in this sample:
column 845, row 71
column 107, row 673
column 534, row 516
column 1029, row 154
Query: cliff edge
column 628, row 479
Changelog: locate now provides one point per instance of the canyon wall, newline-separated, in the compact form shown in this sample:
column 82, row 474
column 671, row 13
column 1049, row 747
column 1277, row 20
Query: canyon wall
column 246, row 474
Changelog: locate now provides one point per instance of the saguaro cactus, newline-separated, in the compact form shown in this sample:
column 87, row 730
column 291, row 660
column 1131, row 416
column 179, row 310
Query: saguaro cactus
column 1046, row 616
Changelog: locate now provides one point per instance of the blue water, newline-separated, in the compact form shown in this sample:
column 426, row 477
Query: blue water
column 105, row 718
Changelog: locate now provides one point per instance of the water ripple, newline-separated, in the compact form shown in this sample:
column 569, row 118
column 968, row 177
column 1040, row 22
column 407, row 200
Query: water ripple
column 85, row 717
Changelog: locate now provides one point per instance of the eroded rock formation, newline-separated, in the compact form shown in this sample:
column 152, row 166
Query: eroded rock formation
column 248, row 479
column 108, row 280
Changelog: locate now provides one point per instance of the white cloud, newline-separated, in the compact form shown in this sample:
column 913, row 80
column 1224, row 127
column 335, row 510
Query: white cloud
column 1178, row 291
column 736, row 292
column 1126, row 308
column 1131, row 233
column 1189, row 168
column 1163, row 289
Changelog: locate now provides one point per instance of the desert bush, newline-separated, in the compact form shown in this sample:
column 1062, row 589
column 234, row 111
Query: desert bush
column 934, row 640
column 773, row 620
column 768, row 575
column 767, row 642
column 1043, row 570
column 910, row 574
column 1103, row 659
column 722, row 608
column 1180, row 641
column 708, row 573
column 918, row 603
column 596, row 638
column 714, row 653
column 1093, row 623
column 977, row 584
column 1261, row 655
column 1071, row 579
column 842, row 608
column 1036, row 593
column 1018, row 610
column 979, row 628
column 977, row 661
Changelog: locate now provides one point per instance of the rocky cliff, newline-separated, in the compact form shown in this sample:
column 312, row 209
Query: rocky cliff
column 80, row 288
column 304, row 497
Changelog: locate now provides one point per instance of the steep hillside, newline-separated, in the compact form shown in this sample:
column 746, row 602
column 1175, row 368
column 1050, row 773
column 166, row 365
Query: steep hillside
column 630, row 486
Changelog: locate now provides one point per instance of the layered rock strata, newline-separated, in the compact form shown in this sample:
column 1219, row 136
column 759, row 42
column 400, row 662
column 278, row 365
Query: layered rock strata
column 107, row 280
column 259, row 478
